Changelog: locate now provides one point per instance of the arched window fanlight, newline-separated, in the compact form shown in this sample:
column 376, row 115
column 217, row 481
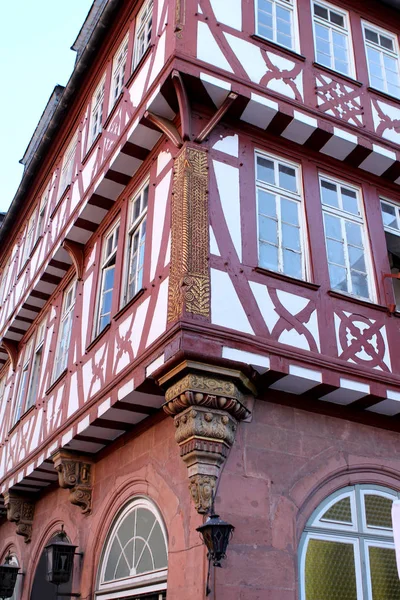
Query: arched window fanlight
column 134, row 560
column 347, row 550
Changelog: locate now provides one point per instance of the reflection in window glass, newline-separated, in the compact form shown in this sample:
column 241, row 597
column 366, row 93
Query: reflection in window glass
column 383, row 60
column 331, row 38
column 275, row 21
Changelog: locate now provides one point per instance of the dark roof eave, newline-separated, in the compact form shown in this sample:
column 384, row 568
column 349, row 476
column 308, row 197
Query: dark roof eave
column 67, row 97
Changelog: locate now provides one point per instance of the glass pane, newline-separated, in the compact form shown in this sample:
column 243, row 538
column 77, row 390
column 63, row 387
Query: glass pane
column 332, row 227
column 268, row 230
column 287, row 178
column 338, row 278
column 289, row 211
column 265, row 170
column 158, row 548
column 125, row 562
column 378, row 511
column 322, row 32
column 356, row 258
column 145, row 563
column 349, row 199
column 386, row 42
column 320, row 11
column 269, row 257
column 291, row 237
column 113, row 557
column 127, row 528
column 292, row 264
column 353, row 233
column 145, row 521
column 337, row 19
column 335, row 252
column 384, row 578
column 371, row 35
column 329, row 193
column 266, row 203
column 330, row 571
column 341, row 511
column 389, row 215
column 360, row 284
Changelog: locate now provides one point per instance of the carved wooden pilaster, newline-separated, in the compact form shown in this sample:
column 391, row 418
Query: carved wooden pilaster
column 20, row 510
column 189, row 281
column 207, row 407
column 75, row 473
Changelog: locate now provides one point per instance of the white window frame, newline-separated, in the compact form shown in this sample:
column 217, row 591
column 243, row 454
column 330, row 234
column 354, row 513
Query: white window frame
column 118, row 71
column 41, row 215
column 151, row 582
column 396, row 206
column 282, row 192
column 67, row 174
column 30, row 238
column 395, row 55
column 107, row 261
column 34, row 377
column 333, row 27
column 361, row 536
column 359, row 220
column 290, row 5
column 97, row 109
column 67, row 315
column 144, row 17
column 135, row 227
column 23, row 384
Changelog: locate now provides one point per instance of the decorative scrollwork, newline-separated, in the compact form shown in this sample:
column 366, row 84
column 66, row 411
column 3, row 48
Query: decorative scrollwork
column 20, row 510
column 74, row 472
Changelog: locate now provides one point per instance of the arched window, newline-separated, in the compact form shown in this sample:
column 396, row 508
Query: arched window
column 134, row 560
column 347, row 550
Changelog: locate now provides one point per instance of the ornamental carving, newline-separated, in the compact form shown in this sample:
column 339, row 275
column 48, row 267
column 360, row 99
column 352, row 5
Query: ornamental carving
column 206, row 409
column 75, row 473
column 189, row 282
column 20, row 510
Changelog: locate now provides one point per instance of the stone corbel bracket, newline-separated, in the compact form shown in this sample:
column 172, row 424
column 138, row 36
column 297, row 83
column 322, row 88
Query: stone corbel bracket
column 207, row 407
column 75, row 473
column 20, row 510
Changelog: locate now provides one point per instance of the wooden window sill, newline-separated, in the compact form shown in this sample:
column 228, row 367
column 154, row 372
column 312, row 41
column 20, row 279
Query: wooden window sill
column 98, row 338
column 92, row 145
column 22, row 417
column 113, row 109
column 22, row 269
column 59, row 201
column 137, row 67
column 129, row 304
column 35, row 245
column 355, row 300
column 337, row 74
column 56, row 382
column 275, row 46
column 307, row 284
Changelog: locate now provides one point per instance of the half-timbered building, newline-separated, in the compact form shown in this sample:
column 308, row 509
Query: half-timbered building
column 200, row 302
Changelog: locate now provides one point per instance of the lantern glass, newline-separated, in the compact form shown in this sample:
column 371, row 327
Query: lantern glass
column 216, row 534
column 60, row 560
column 8, row 578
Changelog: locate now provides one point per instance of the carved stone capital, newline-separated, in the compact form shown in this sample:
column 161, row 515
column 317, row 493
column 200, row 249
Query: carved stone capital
column 206, row 407
column 20, row 510
column 75, row 473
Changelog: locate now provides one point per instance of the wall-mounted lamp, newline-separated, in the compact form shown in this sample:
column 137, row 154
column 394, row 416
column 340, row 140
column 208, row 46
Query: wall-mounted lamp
column 216, row 535
column 60, row 560
column 8, row 578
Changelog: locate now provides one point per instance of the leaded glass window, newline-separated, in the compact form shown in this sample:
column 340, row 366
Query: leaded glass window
column 135, row 556
column 347, row 550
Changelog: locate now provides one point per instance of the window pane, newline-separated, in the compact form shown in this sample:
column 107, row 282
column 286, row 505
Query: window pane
column 384, row 578
column 320, row 11
column 378, row 511
column 337, row 19
column 266, row 203
column 332, row 227
column 287, row 178
column 112, row 560
column 356, row 259
column 330, row 571
column 265, row 170
column 268, row 230
column 335, row 252
column 386, row 42
column 372, row 36
column 292, row 264
column 329, row 194
column 290, row 237
column 341, row 511
column 338, row 278
column 289, row 211
column 268, row 256
column 389, row 215
column 360, row 284
column 353, row 233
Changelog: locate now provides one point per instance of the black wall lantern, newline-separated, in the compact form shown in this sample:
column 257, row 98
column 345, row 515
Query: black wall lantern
column 60, row 559
column 8, row 577
column 216, row 535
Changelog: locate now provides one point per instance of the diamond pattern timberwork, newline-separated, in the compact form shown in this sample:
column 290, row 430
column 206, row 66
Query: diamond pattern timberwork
column 75, row 473
column 189, row 282
column 20, row 510
column 207, row 407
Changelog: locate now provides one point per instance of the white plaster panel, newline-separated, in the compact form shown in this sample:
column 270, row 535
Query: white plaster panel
column 229, row 314
column 160, row 206
column 161, row 4
column 73, row 399
column 265, row 304
column 249, row 55
column 281, row 87
column 294, row 338
column 156, row 364
column 159, row 322
column 168, row 252
column 293, row 303
column 86, row 307
column 249, row 358
column 162, row 160
column 159, row 59
column 138, row 325
column 208, row 49
column 137, row 88
column 228, row 15
column 229, row 144
column 213, row 243
column 312, row 326
column 228, row 187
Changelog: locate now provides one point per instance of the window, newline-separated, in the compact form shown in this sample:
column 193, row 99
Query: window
column 67, row 166
column 345, row 238
column 382, row 59
column 143, row 32
column 118, row 72
column 41, row 215
column 109, row 254
column 135, row 555
column 29, row 239
column 391, row 225
column 136, row 243
column 331, row 38
column 64, row 335
column 280, row 244
column 274, row 21
column 23, row 382
column 347, row 549
column 96, row 121
column 36, row 367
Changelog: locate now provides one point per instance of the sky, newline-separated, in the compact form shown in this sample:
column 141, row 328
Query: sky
column 35, row 55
